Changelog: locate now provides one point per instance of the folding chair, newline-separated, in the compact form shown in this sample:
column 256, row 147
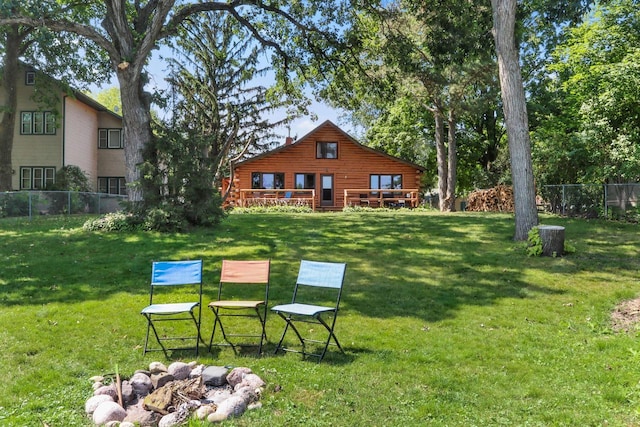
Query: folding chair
column 235, row 277
column 311, row 276
column 163, row 306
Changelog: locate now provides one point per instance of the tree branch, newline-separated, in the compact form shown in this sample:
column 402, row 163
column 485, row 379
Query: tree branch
column 63, row 25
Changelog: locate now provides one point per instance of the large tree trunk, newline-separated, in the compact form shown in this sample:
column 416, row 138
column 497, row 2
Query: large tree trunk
column 136, row 128
column 452, row 175
column 515, row 113
column 441, row 158
column 9, row 104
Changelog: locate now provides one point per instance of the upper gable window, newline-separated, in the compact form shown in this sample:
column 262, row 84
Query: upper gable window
column 30, row 78
column 326, row 150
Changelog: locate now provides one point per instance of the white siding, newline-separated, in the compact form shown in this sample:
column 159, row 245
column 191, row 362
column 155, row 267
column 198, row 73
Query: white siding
column 34, row 150
column 110, row 161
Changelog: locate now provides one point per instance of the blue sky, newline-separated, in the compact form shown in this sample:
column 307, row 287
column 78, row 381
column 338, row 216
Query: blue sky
column 298, row 128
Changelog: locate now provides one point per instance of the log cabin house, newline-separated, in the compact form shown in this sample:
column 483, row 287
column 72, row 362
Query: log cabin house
column 326, row 169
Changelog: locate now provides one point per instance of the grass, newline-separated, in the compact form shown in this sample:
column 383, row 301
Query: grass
column 445, row 320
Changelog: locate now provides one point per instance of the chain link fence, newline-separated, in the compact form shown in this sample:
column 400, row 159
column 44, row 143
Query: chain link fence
column 611, row 201
column 34, row 203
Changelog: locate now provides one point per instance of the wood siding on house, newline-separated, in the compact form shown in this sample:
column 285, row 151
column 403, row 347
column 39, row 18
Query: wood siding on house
column 81, row 138
column 110, row 161
column 75, row 142
column 351, row 169
column 34, row 150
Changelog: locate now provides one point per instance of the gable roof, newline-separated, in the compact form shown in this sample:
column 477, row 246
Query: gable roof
column 343, row 133
column 72, row 92
column 85, row 99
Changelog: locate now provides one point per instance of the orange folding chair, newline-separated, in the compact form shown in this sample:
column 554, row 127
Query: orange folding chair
column 240, row 295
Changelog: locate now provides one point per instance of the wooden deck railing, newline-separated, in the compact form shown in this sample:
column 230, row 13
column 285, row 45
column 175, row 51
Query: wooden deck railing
column 269, row 197
column 375, row 197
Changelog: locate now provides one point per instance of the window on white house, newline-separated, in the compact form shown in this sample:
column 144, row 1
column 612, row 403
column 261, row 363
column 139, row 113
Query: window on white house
column 37, row 177
column 112, row 185
column 110, row 138
column 30, row 78
column 37, row 123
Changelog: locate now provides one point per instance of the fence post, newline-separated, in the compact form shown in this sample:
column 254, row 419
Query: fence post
column 30, row 208
column 606, row 206
column 563, row 202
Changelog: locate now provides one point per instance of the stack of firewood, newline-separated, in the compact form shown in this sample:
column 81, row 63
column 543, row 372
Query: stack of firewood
column 497, row 199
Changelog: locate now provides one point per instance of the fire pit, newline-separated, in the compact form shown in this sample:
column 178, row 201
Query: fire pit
column 168, row 396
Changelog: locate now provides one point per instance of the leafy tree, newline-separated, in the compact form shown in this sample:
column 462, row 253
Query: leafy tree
column 596, row 127
column 110, row 98
column 217, row 113
column 541, row 26
column 418, row 53
column 534, row 28
column 402, row 131
column 484, row 145
column 215, row 99
column 130, row 30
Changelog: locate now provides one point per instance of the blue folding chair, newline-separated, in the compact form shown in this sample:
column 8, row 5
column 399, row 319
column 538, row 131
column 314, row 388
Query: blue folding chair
column 163, row 306
column 313, row 276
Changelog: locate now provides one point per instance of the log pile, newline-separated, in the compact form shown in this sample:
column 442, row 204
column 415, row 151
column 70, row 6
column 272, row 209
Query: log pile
column 497, row 199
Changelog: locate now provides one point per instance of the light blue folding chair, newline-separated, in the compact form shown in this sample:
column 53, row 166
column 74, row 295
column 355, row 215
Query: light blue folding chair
column 317, row 282
column 164, row 305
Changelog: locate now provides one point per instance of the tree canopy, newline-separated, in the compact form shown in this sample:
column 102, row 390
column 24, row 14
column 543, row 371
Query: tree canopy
column 420, row 79
column 129, row 30
column 593, row 127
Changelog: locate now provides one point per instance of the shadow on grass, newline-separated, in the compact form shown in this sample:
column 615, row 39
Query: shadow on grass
column 421, row 265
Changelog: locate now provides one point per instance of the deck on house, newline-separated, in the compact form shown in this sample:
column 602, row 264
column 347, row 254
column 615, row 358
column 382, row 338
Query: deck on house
column 370, row 197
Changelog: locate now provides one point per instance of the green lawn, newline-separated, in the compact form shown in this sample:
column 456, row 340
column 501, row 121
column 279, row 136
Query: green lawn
column 445, row 320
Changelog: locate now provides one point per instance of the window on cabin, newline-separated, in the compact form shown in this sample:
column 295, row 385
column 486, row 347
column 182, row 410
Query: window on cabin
column 385, row 182
column 37, row 123
column 267, row 180
column 326, row 150
column 36, row 177
column 305, row 180
column 110, row 138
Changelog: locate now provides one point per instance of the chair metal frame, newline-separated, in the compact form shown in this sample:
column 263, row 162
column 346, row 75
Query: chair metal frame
column 313, row 274
column 173, row 273
column 234, row 274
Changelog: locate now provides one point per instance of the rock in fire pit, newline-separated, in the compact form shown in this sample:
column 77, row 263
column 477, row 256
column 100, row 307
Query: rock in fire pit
column 168, row 396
